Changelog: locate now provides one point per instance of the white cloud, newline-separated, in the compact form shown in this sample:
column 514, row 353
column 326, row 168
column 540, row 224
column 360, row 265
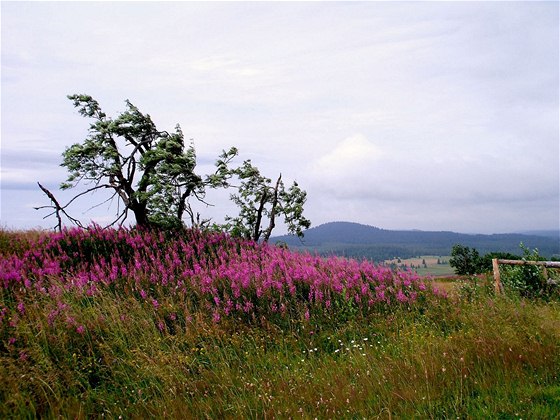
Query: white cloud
column 228, row 65
column 348, row 161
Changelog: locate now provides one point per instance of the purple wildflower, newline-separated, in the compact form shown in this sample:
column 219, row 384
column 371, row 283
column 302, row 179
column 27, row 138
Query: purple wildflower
column 401, row 296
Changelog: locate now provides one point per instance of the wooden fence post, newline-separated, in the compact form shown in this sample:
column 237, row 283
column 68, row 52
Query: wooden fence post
column 497, row 282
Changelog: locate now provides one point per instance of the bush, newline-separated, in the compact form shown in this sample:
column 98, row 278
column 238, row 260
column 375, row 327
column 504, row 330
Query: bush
column 486, row 261
column 529, row 280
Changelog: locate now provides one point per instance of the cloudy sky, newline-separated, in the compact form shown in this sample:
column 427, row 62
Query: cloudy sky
column 424, row 115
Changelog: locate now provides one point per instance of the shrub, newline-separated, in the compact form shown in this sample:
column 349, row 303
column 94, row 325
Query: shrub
column 529, row 280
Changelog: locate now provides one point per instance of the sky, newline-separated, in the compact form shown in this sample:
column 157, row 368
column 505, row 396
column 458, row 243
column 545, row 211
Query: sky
column 401, row 115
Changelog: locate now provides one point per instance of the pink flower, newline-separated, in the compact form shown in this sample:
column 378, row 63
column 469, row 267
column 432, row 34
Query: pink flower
column 80, row 329
column 216, row 317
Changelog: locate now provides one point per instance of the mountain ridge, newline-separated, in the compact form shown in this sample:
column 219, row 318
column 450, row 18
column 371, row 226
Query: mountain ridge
column 353, row 239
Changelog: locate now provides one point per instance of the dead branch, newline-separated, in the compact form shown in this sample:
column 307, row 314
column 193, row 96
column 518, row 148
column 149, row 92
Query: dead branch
column 58, row 209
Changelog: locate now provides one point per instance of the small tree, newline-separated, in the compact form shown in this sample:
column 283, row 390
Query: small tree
column 150, row 172
column 261, row 202
column 465, row 260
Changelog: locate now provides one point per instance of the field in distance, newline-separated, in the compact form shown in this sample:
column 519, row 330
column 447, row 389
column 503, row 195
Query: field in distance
column 425, row 265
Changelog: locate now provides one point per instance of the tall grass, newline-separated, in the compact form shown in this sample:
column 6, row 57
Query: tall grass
column 135, row 324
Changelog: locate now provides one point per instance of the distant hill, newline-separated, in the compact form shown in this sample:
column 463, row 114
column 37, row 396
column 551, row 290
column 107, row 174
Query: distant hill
column 546, row 233
column 361, row 241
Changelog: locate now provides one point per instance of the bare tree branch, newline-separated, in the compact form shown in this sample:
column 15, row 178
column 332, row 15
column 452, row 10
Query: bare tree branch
column 58, row 209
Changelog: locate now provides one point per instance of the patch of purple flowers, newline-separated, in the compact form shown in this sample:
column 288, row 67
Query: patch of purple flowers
column 229, row 276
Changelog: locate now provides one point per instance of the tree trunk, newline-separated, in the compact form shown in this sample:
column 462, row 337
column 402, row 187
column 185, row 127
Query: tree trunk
column 140, row 214
column 272, row 223
column 257, row 227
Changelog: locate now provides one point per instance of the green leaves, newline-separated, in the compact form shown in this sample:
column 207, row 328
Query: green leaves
column 151, row 171
column 260, row 200
column 153, row 175
column 87, row 106
column 465, row 260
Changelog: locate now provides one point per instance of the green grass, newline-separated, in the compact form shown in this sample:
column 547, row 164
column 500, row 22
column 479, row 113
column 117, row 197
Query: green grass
column 431, row 268
column 487, row 357
column 472, row 355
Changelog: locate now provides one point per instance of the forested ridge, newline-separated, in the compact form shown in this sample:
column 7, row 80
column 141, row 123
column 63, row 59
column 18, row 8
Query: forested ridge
column 363, row 241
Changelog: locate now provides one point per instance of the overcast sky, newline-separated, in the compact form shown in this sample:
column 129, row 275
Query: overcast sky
column 424, row 115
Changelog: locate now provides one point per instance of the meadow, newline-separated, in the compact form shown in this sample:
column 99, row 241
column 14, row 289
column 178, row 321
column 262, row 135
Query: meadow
column 133, row 324
column 425, row 265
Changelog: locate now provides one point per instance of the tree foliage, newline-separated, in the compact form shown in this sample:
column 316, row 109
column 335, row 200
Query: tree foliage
column 261, row 201
column 152, row 174
column 465, row 260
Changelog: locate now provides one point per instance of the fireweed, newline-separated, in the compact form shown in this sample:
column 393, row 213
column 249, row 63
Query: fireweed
column 223, row 276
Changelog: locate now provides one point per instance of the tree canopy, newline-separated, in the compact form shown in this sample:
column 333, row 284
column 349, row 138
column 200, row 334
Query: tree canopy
column 261, row 202
column 152, row 174
column 465, row 260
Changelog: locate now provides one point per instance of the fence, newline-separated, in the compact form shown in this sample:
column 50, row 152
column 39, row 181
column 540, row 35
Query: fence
column 496, row 267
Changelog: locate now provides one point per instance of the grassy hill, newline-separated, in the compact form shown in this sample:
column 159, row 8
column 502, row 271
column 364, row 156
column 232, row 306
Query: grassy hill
column 136, row 324
column 361, row 241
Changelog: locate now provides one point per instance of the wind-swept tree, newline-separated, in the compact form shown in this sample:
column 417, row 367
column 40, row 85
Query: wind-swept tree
column 261, row 202
column 151, row 172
